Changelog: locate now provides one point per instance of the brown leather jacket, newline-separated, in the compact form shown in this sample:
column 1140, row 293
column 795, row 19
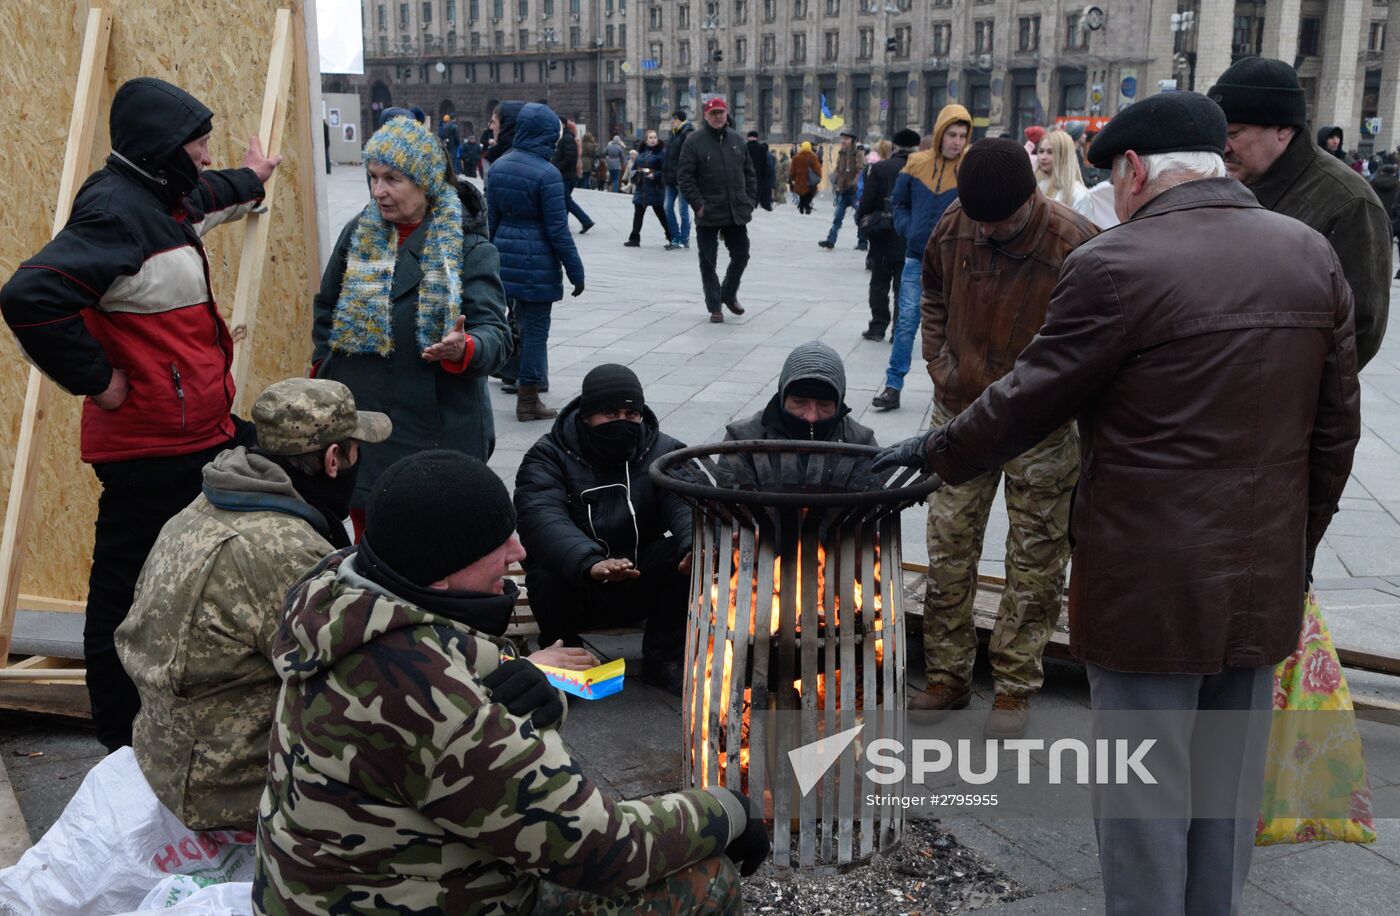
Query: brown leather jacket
column 1208, row 349
column 982, row 302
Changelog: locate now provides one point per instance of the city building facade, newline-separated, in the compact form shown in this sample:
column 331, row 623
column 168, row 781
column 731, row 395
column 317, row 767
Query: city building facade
column 880, row 65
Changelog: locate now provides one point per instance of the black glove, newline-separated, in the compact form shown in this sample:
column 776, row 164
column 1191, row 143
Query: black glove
column 750, row 849
column 911, row 453
column 524, row 690
column 578, row 290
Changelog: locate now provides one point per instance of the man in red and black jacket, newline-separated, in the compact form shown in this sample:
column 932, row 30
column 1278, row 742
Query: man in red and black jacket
column 118, row 308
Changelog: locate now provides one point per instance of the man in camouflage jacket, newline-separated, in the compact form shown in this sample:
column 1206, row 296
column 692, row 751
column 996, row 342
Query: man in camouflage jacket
column 398, row 784
column 198, row 638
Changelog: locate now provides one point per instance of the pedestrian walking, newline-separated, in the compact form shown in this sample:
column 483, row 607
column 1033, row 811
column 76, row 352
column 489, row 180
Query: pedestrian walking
column 763, row 174
column 411, row 314
column 1270, row 152
column 649, row 189
column 451, row 138
column 677, row 210
column 566, row 160
column 926, row 187
column 886, row 245
column 1249, row 377
column 118, row 308
column 471, row 157
column 780, row 178
column 990, row 268
column 717, row 179
column 588, row 159
column 805, row 176
column 843, row 185
column 615, row 155
column 530, row 226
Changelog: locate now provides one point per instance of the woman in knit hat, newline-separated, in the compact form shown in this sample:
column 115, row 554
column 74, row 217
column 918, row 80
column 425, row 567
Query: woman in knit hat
column 411, row 313
column 804, row 177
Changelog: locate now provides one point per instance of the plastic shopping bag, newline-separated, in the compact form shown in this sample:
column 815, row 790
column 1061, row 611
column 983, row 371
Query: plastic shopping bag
column 111, row 848
column 1307, row 768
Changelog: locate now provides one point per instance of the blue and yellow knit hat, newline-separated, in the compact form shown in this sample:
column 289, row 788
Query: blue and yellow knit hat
column 409, row 147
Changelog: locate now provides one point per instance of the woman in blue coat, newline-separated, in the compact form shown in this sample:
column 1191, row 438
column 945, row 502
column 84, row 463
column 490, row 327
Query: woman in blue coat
column 650, row 189
column 529, row 224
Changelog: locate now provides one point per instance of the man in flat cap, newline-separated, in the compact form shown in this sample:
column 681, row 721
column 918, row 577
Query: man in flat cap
column 198, row 640
column 1207, row 376
column 1268, row 148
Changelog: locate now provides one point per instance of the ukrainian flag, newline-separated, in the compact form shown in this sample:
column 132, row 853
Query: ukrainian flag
column 828, row 120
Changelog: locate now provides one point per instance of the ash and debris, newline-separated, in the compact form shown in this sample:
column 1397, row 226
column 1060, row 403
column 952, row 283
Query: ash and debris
column 927, row 873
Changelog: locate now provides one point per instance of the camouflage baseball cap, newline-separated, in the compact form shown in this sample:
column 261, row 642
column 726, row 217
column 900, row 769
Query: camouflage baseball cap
column 302, row 415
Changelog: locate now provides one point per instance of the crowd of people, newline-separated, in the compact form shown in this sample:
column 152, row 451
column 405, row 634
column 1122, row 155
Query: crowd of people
column 255, row 584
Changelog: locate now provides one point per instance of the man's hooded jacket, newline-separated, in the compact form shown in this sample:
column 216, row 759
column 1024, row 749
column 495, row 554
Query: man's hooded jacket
column 125, row 285
column 811, row 361
column 928, row 184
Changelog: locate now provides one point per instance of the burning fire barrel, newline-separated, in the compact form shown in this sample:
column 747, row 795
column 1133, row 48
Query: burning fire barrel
column 796, row 630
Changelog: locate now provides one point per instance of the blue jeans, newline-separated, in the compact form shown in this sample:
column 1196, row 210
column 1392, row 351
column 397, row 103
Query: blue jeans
column 679, row 229
column 533, row 318
column 844, row 201
column 615, row 176
column 575, row 209
column 906, row 325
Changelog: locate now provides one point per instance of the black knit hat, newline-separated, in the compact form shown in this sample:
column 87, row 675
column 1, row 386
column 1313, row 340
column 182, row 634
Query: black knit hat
column 1169, row 122
column 436, row 512
column 995, row 179
column 906, row 138
column 608, row 387
column 1261, row 90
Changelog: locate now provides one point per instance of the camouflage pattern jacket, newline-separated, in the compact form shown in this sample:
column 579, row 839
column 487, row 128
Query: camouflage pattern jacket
column 395, row 784
column 198, row 639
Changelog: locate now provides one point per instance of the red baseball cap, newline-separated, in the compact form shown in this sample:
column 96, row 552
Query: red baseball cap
column 715, row 102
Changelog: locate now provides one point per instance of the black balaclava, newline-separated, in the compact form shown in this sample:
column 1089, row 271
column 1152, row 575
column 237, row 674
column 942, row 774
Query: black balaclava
column 609, row 387
column 798, row 428
column 328, row 496
column 614, row 442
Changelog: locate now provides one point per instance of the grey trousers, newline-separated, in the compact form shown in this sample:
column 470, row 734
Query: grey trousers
column 1183, row 865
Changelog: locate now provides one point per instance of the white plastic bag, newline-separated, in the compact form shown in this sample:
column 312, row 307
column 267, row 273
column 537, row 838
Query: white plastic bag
column 181, row 895
column 113, row 845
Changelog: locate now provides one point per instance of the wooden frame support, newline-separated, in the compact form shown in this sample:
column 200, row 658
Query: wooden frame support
column 271, row 127
column 24, row 483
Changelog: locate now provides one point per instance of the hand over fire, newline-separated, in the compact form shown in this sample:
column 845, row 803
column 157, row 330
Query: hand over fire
column 619, row 569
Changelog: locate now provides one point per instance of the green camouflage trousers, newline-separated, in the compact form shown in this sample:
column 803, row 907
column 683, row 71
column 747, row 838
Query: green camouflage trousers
column 707, row 888
column 1039, row 485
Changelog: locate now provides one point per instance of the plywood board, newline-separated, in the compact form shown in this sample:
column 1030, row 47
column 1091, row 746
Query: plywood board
column 218, row 51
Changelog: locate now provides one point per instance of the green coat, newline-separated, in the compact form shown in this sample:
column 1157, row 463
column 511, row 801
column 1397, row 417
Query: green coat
column 430, row 407
column 198, row 639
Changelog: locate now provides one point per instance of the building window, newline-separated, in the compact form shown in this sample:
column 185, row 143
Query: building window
column 381, row 17
column 799, row 47
column 498, row 8
column 683, row 53
column 383, row 44
column 982, row 34
column 611, row 71
column 403, row 15
column 656, row 50
column 1076, row 36
column 575, row 36
column 522, row 40
column 1028, row 33
column 770, row 10
column 832, row 47
column 1249, row 35
column 471, row 73
column 571, row 70
column 942, row 38
column 741, row 51
column 654, row 18
column 799, row 9
column 683, row 16
column 903, row 38
column 517, row 72
column 451, row 41
column 573, row 6
column 549, row 7
column 867, row 44
column 622, row 36
column 905, row 5
column 833, row 7
column 474, row 10
column 476, row 41
column 1376, row 41
column 450, row 10
column 522, row 8
column 493, row 72
column 1309, row 36
column 544, row 71
column 608, row 36
column 499, row 40
column 770, row 49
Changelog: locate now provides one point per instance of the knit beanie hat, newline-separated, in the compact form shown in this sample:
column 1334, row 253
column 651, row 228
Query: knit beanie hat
column 436, row 512
column 995, row 179
column 608, row 387
column 1261, row 90
column 408, row 146
column 1035, row 133
column 814, row 360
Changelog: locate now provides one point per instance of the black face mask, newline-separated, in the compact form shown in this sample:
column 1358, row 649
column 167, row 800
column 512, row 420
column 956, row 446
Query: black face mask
column 328, row 495
column 798, row 428
column 613, row 442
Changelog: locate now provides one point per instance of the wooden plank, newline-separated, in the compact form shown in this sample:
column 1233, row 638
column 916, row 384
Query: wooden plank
column 43, row 674
column 258, row 225
column 35, row 662
column 742, row 630
column 724, row 548
column 807, row 805
column 760, row 716
column 850, row 628
column 38, row 396
column 68, row 701
column 827, row 802
column 872, row 704
column 788, row 521
column 40, row 603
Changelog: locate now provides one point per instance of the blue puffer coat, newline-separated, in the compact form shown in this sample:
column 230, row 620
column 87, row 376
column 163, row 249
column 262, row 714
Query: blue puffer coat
column 525, row 208
column 651, row 189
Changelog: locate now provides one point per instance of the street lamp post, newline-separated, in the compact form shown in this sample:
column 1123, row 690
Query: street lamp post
column 711, row 28
column 549, row 38
column 1183, row 25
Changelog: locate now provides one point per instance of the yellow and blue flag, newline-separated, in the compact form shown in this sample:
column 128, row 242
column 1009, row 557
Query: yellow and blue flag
column 829, row 121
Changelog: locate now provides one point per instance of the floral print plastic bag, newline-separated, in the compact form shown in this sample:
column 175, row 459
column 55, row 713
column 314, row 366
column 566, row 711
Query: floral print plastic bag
column 1315, row 763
